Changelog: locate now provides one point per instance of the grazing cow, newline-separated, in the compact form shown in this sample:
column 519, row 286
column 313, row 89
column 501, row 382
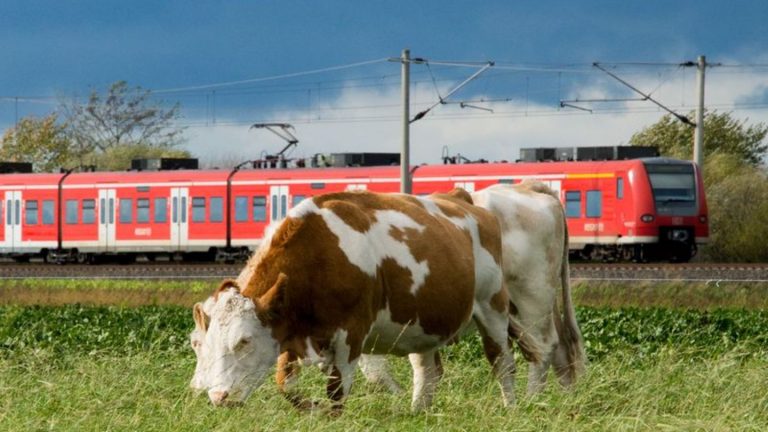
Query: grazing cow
column 535, row 248
column 535, row 265
column 349, row 273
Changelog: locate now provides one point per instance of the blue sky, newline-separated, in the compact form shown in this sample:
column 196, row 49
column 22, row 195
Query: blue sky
column 543, row 50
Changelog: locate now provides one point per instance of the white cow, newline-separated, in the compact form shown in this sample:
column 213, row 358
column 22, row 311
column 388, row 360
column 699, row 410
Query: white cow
column 535, row 265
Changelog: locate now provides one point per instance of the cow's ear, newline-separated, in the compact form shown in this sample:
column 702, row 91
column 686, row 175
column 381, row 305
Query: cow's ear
column 271, row 302
column 201, row 323
column 225, row 285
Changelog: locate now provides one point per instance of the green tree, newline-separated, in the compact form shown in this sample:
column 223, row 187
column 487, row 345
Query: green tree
column 42, row 141
column 738, row 211
column 124, row 118
column 723, row 134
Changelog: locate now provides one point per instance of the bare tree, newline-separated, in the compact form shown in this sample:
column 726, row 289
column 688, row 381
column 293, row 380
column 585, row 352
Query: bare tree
column 123, row 117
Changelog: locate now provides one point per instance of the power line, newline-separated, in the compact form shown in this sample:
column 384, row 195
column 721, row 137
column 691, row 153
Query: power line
column 269, row 78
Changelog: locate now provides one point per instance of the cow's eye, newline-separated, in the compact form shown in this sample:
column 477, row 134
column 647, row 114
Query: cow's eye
column 242, row 343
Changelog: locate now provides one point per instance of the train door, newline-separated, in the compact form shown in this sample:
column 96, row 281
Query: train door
column 278, row 202
column 555, row 185
column 179, row 218
column 107, row 238
column 12, row 222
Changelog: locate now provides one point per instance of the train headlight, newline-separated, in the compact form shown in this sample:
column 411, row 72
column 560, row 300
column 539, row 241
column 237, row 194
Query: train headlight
column 647, row 218
column 703, row 218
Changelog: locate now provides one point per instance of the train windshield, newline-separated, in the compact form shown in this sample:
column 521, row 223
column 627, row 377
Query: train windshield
column 674, row 188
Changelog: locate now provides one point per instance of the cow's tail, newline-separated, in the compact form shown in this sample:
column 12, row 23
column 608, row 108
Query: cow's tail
column 570, row 336
column 529, row 345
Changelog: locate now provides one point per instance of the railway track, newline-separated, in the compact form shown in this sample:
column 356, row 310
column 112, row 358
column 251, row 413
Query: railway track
column 757, row 273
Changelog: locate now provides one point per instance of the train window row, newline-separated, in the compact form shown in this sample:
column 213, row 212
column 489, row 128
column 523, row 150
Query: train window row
column 258, row 208
column 594, row 204
column 32, row 216
column 84, row 211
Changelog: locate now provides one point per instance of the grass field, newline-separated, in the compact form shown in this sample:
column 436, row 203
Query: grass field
column 126, row 367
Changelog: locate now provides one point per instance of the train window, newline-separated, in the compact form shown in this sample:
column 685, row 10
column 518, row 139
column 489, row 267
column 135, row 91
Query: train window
column 198, row 209
column 1, row 211
column 296, row 200
column 217, row 210
column 30, row 212
column 507, row 181
column 142, row 210
column 619, row 188
column 317, row 185
column 259, row 208
column 594, row 203
column 89, row 211
column 48, row 212
column 241, row 209
column 126, row 210
column 274, row 207
column 161, row 210
column 71, row 210
column 573, row 204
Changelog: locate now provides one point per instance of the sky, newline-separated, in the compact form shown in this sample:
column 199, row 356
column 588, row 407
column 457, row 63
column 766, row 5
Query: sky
column 323, row 67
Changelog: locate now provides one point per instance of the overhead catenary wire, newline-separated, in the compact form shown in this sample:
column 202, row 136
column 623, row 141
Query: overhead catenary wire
column 270, row 78
column 225, row 99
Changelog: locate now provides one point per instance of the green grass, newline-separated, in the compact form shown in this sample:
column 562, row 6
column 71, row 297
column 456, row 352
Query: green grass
column 147, row 391
column 116, row 368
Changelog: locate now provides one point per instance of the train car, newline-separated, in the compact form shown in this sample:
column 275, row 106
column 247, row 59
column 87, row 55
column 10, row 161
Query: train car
column 640, row 209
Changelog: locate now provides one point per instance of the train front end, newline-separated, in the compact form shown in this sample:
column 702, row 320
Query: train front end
column 676, row 210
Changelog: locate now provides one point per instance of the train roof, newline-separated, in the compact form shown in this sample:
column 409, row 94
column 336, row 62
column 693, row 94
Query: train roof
column 28, row 179
column 319, row 174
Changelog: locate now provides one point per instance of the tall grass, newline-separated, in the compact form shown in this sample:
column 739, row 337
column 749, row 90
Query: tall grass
column 147, row 391
column 113, row 368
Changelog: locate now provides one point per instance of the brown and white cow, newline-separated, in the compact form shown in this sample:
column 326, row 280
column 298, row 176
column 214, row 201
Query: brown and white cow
column 352, row 273
column 535, row 247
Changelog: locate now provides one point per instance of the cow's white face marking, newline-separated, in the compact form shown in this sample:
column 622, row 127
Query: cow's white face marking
column 241, row 350
column 367, row 250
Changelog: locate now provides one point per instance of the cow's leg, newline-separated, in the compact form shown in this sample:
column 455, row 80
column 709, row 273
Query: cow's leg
column 375, row 370
column 562, row 365
column 341, row 369
column 493, row 325
column 537, row 374
column 287, row 376
column 427, row 370
column 546, row 332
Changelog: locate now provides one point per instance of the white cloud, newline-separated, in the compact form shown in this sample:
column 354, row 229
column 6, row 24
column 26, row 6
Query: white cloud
column 369, row 121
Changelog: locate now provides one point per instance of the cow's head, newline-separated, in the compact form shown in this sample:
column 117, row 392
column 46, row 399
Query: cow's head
column 239, row 349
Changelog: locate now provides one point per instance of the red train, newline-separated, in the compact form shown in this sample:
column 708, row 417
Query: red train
column 640, row 209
